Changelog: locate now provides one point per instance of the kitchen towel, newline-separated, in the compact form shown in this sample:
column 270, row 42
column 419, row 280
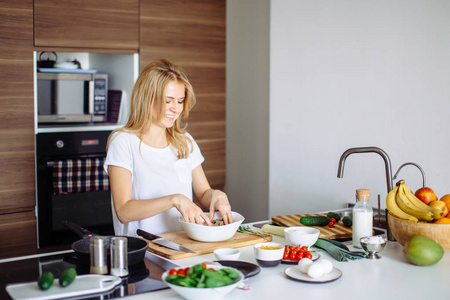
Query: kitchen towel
column 79, row 175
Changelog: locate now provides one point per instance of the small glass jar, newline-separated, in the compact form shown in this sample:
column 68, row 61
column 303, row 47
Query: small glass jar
column 119, row 256
column 98, row 254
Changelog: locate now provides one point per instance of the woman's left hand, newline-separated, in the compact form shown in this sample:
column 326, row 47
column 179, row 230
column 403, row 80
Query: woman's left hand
column 219, row 202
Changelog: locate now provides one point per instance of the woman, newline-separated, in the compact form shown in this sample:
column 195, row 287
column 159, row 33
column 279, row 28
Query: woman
column 154, row 164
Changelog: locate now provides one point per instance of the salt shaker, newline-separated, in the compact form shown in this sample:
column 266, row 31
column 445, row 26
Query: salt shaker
column 119, row 256
column 362, row 217
column 97, row 249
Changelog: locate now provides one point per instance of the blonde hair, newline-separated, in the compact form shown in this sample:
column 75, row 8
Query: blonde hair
column 148, row 97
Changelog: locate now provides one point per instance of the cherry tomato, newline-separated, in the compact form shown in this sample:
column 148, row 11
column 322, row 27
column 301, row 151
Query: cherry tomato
column 292, row 256
column 307, row 255
column 181, row 272
column 204, row 266
column 331, row 224
column 333, row 220
column 286, row 255
column 291, row 248
column 299, row 256
column 172, row 272
column 304, row 248
column 298, row 248
column 186, row 270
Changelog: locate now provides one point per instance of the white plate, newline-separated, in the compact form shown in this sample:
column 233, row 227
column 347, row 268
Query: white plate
column 314, row 256
column 296, row 274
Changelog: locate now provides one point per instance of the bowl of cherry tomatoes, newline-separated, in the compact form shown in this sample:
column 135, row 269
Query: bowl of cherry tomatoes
column 293, row 254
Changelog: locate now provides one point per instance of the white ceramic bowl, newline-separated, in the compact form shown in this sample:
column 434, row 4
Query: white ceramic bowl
column 203, row 293
column 268, row 258
column 301, row 235
column 227, row 254
column 205, row 233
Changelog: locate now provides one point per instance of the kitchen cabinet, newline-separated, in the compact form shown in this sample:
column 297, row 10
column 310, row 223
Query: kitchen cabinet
column 192, row 34
column 103, row 24
column 17, row 156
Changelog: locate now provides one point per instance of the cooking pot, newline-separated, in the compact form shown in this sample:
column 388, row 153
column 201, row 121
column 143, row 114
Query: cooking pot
column 136, row 246
column 47, row 63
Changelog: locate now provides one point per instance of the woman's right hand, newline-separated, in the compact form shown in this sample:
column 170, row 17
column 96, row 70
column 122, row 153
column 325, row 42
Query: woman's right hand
column 189, row 210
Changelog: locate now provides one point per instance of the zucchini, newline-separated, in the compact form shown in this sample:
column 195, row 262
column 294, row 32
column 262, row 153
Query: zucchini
column 273, row 229
column 315, row 220
column 334, row 215
column 348, row 222
column 45, row 281
column 67, row 277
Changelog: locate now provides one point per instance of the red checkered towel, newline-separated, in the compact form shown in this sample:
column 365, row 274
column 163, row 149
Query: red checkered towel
column 79, row 175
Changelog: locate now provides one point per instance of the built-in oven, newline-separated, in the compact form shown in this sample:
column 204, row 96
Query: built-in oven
column 71, row 185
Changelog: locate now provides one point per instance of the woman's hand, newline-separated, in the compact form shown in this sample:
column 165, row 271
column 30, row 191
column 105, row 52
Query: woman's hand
column 218, row 201
column 189, row 210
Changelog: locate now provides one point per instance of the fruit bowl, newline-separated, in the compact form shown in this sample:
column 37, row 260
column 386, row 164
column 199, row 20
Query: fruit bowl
column 403, row 230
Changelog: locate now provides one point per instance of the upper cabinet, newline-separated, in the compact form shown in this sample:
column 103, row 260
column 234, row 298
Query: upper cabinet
column 100, row 24
column 192, row 34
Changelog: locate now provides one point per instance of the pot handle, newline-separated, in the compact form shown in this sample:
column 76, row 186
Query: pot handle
column 80, row 231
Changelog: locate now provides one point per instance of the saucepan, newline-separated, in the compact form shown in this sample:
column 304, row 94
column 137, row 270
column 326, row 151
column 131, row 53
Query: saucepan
column 136, row 246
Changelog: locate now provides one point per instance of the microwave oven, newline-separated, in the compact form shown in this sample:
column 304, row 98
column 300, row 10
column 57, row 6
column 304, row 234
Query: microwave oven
column 72, row 97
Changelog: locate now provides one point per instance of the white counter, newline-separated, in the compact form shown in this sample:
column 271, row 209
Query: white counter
column 391, row 277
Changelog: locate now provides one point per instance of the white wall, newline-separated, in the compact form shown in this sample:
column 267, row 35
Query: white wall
column 353, row 73
column 343, row 74
column 247, row 181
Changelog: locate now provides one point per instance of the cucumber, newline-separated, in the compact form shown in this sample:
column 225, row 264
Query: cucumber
column 273, row 229
column 315, row 220
column 334, row 215
column 45, row 281
column 67, row 277
column 348, row 222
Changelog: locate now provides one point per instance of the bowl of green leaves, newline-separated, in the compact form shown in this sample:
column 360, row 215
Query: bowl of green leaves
column 203, row 281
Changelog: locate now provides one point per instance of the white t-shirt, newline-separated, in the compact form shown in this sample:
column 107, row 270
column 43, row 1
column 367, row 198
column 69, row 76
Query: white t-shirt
column 155, row 173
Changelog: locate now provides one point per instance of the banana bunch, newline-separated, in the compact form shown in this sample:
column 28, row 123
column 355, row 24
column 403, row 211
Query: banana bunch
column 402, row 203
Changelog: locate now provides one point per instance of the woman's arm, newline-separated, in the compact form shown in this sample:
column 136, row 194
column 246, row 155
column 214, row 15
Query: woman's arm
column 214, row 199
column 128, row 210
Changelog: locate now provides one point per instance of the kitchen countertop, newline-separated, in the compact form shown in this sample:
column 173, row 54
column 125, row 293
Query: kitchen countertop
column 391, row 277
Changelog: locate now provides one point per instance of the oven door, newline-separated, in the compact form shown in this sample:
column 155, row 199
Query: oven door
column 72, row 186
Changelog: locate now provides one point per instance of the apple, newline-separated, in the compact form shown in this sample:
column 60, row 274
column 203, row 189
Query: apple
column 441, row 205
column 426, row 195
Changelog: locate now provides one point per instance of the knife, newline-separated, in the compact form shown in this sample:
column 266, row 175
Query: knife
column 162, row 241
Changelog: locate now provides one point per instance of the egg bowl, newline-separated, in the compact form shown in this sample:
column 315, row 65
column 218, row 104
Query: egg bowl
column 204, row 233
column 268, row 254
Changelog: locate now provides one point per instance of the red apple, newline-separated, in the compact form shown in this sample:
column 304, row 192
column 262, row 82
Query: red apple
column 426, row 195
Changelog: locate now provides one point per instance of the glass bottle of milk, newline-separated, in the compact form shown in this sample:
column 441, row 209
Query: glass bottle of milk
column 362, row 217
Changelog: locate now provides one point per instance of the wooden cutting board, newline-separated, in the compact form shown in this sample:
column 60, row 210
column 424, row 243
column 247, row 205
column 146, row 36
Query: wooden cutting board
column 181, row 238
column 338, row 231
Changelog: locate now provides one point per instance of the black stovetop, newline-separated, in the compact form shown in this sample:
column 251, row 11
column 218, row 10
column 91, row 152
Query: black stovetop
column 143, row 277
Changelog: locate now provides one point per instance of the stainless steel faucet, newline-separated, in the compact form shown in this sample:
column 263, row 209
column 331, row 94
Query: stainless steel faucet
column 387, row 162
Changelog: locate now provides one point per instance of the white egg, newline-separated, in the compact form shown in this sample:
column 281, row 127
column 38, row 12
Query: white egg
column 304, row 264
column 315, row 270
column 326, row 264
